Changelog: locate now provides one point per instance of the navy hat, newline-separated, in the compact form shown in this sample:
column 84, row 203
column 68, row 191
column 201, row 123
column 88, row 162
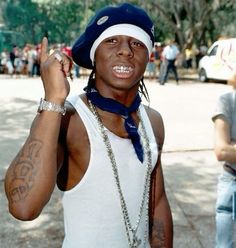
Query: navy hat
column 124, row 19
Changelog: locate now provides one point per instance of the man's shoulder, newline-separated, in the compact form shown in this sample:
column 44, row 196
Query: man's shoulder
column 154, row 117
column 157, row 124
column 227, row 96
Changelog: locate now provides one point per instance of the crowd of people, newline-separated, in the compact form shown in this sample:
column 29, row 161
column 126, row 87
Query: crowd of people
column 167, row 57
column 25, row 61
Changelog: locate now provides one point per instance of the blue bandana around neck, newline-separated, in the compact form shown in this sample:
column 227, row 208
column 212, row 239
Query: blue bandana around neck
column 110, row 105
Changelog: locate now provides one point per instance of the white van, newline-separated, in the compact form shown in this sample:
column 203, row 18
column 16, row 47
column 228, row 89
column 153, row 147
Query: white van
column 220, row 61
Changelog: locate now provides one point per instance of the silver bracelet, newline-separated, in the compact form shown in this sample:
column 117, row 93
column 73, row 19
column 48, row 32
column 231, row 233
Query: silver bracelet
column 51, row 106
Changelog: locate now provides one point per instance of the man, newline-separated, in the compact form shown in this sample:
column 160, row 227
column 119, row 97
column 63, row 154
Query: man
column 170, row 54
column 225, row 151
column 103, row 150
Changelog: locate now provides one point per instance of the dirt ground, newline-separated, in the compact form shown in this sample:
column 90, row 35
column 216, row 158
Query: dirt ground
column 44, row 232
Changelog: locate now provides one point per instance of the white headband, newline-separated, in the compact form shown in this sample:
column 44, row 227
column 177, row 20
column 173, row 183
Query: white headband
column 122, row 29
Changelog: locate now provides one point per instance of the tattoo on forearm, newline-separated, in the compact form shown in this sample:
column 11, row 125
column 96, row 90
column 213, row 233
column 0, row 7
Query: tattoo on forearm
column 158, row 234
column 25, row 170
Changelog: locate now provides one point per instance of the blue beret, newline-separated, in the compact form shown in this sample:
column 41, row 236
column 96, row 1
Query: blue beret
column 105, row 18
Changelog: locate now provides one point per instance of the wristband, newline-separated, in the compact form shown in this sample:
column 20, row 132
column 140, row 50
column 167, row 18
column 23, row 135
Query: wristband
column 51, row 106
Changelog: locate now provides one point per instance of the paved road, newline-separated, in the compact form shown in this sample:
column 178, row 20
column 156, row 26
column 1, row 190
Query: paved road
column 189, row 165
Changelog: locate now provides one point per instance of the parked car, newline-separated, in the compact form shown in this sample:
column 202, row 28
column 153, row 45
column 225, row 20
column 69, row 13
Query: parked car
column 220, row 61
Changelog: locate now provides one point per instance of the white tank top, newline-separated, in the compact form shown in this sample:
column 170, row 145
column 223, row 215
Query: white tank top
column 92, row 211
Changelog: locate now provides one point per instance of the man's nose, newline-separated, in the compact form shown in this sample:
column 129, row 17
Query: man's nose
column 125, row 49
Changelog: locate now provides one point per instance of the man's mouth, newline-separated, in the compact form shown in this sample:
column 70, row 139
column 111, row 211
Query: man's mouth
column 123, row 69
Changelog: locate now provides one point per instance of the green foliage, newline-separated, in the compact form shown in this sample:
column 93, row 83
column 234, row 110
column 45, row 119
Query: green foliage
column 188, row 21
column 193, row 22
column 64, row 20
column 23, row 17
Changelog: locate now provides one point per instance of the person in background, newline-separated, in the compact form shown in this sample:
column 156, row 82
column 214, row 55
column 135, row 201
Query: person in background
column 224, row 118
column 103, row 147
column 4, row 57
column 199, row 53
column 66, row 49
column 13, row 55
column 31, row 56
column 151, row 67
column 157, row 56
column 76, row 71
column 162, row 66
column 6, row 62
column 170, row 54
column 36, row 62
column 18, row 64
column 189, row 55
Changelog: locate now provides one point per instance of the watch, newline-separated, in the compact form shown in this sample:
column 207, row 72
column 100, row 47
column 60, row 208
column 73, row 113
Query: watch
column 51, row 106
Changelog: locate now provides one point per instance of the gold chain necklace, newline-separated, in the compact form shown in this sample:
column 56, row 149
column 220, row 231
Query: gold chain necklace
column 131, row 231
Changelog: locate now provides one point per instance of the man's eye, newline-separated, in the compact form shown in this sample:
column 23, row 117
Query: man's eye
column 138, row 44
column 110, row 40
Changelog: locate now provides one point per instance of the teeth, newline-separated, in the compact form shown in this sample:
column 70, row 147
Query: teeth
column 122, row 69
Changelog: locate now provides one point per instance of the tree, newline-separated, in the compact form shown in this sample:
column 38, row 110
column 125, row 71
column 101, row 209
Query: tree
column 24, row 17
column 55, row 19
column 187, row 21
column 191, row 21
column 64, row 20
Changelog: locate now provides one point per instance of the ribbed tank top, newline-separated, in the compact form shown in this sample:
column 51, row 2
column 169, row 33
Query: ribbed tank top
column 92, row 211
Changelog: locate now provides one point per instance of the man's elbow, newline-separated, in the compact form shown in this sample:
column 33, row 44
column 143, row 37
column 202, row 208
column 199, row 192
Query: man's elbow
column 23, row 213
column 220, row 154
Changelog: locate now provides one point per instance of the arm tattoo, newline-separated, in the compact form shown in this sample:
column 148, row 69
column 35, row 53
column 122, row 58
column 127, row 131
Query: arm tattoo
column 158, row 234
column 25, row 170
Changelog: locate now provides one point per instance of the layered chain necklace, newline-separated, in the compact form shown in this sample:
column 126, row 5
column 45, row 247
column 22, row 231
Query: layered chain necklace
column 131, row 231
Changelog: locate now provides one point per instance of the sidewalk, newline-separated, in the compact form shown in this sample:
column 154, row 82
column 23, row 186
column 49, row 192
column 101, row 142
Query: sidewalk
column 189, row 164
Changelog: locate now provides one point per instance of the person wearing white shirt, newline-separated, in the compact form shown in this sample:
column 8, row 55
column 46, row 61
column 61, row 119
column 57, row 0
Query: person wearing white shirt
column 170, row 54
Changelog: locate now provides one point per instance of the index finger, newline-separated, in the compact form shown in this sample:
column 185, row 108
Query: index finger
column 44, row 50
